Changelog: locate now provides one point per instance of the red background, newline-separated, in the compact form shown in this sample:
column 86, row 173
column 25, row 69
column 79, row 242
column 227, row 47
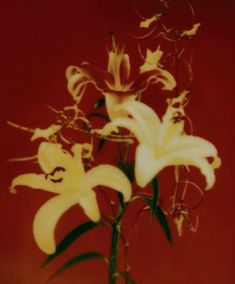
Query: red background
column 39, row 39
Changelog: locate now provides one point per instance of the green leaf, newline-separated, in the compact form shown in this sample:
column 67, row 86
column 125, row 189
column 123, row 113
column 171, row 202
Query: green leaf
column 76, row 260
column 72, row 236
column 128, row 169
column 155, row 190
column 97, row 114
column 100, row 103
column 121, row 200
column 160, row 215
column 163, row 222
column 126, row 277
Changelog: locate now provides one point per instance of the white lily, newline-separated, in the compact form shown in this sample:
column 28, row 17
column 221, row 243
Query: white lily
column 64, row 174
column 163, row 143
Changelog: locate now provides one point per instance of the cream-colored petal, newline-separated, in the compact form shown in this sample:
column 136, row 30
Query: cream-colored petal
column 77, row 82
column 167, row 79
column 51, row 155
column 146, row 118
column 146, row 165
column 36, row 181
column 192, row 145
column 188, row 159
column 112, row 100
column 78, row 168
column 110, row 176
column 47, row 217
column 119, row 67
column 216, row 163
column 172, row 125
column 206, row 169
column 77, row 85
column 125, row 68
column 90, row 206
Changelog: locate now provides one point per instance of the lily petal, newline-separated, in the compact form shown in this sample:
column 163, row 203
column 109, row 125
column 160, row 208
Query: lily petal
column 188, row 159
column 36, row 181
column 153, row 77
column 146, row 166
column 90, row 206
column 47, row 217
column 192, row 145
column 79, row 77
column 147, row 120
column 172, row 125
column 119, row 67
column 112, row 100
column 51, row 155
column 110, row 176
column 206, row 169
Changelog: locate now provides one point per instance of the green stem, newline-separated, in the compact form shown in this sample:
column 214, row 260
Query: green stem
column 114, row 252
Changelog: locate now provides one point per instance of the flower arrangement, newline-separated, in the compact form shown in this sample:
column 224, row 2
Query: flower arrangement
column 68, row 168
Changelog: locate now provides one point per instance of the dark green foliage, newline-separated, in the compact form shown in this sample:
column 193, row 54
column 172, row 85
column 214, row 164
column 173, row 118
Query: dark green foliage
column 76, row 260
column 100, row 103
column 72, row 236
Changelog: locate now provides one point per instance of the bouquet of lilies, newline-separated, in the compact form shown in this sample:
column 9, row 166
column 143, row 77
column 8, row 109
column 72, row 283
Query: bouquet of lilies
column 66, row 165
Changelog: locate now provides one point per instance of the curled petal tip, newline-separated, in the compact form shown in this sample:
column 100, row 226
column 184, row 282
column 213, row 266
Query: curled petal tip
column 217, row 162
column 13, row 190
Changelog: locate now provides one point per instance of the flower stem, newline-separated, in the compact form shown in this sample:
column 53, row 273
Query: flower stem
column 114, row 252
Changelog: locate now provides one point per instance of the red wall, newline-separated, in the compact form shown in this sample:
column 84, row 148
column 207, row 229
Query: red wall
column 39, row 39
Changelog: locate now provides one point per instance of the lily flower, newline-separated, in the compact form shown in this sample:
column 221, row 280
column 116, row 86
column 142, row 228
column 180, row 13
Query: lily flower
column 64, row 174
column 163, row 142
column 115, row 83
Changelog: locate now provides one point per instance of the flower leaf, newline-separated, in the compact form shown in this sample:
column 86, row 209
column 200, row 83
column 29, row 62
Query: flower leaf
column 128, row 169
column 160, row 215
column 72, row 236
column 163, row 222
column 155, row 190
column 121, row 201
column 76, row 260
column 100, row 103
